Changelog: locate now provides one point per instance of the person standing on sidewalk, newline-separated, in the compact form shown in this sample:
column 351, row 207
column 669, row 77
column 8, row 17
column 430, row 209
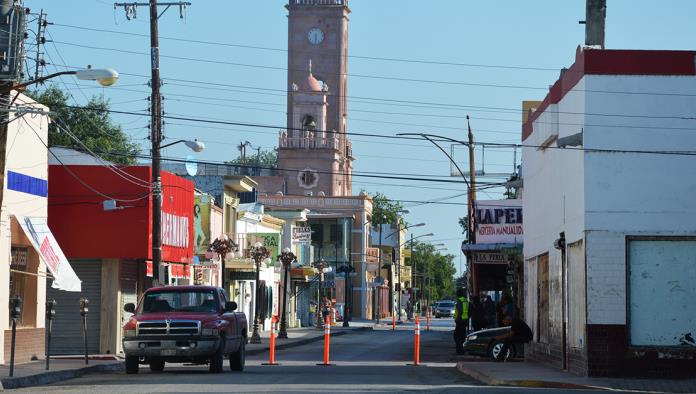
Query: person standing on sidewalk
column 476, row 314
column 461, row 320
column 519, row 333
column 489, row 312
column 312, row 313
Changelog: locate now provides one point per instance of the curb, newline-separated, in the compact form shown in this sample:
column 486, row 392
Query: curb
column 486, row 379
column 57, row 376
column 306, row 341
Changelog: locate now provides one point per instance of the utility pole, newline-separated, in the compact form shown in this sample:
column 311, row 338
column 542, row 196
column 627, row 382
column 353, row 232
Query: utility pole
column 595, row 17
column 472, row 185
column 12, row 29
column 156, row 122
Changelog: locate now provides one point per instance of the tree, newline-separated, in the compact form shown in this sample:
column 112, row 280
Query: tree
column 261, row 158
column 90, row 124
column 435, row 272
column 385, row 211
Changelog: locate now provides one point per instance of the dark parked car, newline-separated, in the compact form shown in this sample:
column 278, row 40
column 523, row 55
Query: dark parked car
column 444, row 309
column 482, row 343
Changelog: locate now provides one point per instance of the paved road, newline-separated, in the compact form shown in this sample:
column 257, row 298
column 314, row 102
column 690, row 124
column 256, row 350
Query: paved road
column 364, row 362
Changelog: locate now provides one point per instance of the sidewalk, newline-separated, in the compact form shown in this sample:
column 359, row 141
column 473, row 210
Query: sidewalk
column 35, row 374
column 531, row 374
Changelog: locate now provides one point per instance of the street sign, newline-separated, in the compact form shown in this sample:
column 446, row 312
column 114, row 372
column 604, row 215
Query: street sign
column 329, row 281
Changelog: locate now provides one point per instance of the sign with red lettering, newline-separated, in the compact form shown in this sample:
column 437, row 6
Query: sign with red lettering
column 499, row 222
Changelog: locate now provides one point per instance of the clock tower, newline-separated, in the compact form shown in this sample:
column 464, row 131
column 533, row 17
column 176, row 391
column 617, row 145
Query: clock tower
column 314, row 154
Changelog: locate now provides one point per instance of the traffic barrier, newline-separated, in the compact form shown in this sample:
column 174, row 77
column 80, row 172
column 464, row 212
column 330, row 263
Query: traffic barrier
column 327, row 334
column 427, row 318
column 416, row 343
column 271, row 350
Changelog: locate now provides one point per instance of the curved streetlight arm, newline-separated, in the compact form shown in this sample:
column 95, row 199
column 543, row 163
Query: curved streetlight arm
column 414, row 238
column 406, row 228
column 427, row 137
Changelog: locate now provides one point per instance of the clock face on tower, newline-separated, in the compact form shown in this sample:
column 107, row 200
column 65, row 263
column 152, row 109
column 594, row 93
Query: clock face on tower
column 307, row 178
column 315, row 36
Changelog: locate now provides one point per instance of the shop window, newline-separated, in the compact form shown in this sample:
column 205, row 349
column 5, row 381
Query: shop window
column 317, row 233
column 543, row 318
column 24, row 263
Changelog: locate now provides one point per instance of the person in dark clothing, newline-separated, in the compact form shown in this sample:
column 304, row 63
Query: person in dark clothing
column 489, row 312
column 476, row 313
column 519, row 333
column 461, row 320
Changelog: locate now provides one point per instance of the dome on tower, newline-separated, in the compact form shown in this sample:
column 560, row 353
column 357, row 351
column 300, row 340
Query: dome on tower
column 311, row 84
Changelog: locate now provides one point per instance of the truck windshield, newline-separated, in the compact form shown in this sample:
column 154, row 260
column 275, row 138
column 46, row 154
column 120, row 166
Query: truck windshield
column 179, row 301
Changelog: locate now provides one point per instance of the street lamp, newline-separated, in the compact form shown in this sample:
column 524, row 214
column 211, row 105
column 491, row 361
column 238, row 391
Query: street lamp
column 345, row 269
column 413, row 261
column 323, row 268
column 259, row 253
column 103, row 76
column 398, row 264
column 194, row 145
column 287, row 258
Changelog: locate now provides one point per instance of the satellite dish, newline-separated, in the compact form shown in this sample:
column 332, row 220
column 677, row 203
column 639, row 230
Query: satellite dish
column 191, row 166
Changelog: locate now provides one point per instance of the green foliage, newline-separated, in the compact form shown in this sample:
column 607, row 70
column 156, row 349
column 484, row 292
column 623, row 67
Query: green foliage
column 437, row 269
column 264, row 158
column 464, row 223
column 385, row 211
column 91, row 124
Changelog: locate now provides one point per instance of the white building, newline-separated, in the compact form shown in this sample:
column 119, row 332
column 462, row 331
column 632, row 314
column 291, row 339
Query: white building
column 26, row 243
column 618, row 299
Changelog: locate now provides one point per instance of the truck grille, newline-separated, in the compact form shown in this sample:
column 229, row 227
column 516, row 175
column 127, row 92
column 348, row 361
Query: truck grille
column 169, row 327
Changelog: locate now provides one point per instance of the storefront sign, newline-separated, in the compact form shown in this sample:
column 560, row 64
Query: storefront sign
column 42, row 239
column 302, row 235
column 175, row 230
column 490, row 258
column 201, row 223
column 499, row 222
column 270, row 241
column 179, row 271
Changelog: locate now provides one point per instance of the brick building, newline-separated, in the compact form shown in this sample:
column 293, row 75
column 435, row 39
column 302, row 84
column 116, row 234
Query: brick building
column 609, row 223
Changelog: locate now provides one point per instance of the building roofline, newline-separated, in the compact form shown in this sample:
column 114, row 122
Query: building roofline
column 590, row 61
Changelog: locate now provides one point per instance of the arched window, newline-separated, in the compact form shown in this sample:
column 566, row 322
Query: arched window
column 308, row 123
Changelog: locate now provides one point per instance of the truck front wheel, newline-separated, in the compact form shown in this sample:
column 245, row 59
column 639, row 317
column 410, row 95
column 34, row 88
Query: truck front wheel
column 237, row 358
column 217, row 359
column 132, row 364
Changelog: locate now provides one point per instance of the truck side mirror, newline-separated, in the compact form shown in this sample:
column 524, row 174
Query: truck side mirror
column 230, row 306
column 129, row 307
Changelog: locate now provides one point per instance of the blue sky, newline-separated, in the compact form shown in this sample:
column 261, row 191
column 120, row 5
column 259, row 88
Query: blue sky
column 540, row 34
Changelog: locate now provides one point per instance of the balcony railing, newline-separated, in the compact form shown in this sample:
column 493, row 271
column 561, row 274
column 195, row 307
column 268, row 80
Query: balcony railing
column 319, row 2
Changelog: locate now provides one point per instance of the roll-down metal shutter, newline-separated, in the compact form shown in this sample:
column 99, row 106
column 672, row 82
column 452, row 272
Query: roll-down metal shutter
column 67, row 326
column 128, row 277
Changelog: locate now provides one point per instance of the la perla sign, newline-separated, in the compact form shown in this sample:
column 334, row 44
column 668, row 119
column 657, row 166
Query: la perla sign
column 175, row 230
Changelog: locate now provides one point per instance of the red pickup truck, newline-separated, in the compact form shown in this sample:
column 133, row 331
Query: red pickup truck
column 192, row 324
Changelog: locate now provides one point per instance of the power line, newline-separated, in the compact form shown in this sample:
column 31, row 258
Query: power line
column 367, row 76
column 256, row 47
column 397, row 102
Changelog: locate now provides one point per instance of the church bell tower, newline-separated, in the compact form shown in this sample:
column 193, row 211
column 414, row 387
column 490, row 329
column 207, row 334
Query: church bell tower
column 314, row 154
